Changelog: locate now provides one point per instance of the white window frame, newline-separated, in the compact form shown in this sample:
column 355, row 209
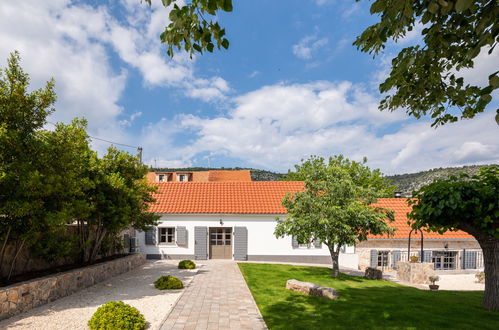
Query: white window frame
column 183, row 175
column 381, row 260
column 166, row 234
column 161, row 177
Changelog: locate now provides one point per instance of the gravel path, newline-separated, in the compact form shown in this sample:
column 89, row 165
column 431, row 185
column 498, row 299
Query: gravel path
column 134, row 288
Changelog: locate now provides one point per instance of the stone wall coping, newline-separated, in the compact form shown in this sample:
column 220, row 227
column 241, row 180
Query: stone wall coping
column 23, row 296
column 41, row 278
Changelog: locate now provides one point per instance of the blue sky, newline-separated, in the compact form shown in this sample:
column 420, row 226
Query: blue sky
column 290, row 85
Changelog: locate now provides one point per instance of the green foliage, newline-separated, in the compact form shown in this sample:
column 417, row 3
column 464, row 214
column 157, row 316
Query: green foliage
column 117, row 315
column 190, row 30
column 335, row 207
column 362, row 303
column 470, row 204
column 186, row 264
column 51, row 178
column 426, row 79
column 464, row 202
column 168, row 283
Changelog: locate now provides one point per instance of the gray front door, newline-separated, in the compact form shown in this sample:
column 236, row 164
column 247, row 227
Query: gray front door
column 220, row 243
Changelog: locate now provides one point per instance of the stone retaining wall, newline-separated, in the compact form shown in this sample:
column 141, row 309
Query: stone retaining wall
column 24, row 296
column 418, row 272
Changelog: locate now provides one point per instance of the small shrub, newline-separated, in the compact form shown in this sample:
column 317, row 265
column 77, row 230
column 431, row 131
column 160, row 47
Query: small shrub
column 414, row 258
column 186, row 264
column 117, row 315
column 433, row 279
column 480, row 277
column 168, row 283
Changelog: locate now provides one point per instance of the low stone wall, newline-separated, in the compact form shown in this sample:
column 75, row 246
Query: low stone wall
column 415, row 272
column 24, row 296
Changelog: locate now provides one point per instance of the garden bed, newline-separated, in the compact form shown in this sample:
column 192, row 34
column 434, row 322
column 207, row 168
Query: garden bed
column 134, row 288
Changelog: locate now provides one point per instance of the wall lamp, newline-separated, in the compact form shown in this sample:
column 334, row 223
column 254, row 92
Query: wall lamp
column 221, row 222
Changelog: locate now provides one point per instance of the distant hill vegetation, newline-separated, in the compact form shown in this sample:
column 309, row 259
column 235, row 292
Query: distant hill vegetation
column 256, row 174
column 406, row 183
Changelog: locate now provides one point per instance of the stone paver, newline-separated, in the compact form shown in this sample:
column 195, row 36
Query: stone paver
column 217, row 298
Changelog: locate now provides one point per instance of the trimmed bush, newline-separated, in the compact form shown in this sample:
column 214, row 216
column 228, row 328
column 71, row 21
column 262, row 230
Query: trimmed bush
column 117, row 315
column 168, row 283
column 186, row 264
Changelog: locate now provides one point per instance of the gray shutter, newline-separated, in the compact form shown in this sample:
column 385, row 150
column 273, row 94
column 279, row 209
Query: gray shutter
column 150, row 237
column 427, row 256
column 470, row 259
column 126, row 241
column 240, row 243
column 294, row 242
column 317, row 243
column 181, row 236
column 200, row 243
column 374, row 258
column 396, row 255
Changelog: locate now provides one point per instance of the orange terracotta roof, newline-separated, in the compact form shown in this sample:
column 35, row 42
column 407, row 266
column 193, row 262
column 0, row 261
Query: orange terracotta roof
column 253, row 197
column 400, row 208
column 262, row 197
column 220, row 175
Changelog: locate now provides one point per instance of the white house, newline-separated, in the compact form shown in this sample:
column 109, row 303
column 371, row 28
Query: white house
column 236, row 220
column 228, row 220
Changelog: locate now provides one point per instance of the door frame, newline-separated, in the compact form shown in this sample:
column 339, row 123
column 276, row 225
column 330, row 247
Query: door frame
column 231, row 241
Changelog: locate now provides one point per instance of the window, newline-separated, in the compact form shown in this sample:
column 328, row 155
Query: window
column 183, row 177
column 161, row 178
column 383, row 258
column 166, row 235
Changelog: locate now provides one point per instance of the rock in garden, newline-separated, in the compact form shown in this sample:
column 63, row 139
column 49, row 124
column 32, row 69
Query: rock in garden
column 311, row 289
column 373, row 274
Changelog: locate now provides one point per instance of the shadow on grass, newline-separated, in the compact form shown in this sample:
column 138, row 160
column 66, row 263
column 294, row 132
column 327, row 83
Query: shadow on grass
column 323, row 271
column 363, row 304
column 381, row 307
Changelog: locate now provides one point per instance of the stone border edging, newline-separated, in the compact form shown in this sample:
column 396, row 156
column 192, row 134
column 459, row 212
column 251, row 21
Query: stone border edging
column 21, row 297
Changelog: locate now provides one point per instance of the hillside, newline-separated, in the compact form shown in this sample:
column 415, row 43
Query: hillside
column 406, row 183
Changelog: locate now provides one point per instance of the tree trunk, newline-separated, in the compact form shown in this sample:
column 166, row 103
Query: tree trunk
column 490, row 248
column 334, row 260
column 13, row 264
column 4, row 247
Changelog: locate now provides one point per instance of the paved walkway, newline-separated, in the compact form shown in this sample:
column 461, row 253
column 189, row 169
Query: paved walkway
column 217, row 298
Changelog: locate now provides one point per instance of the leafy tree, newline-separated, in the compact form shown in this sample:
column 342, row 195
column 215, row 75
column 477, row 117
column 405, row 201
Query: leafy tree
column 118, row 199
column 424, row 78
column 190, row 30
column 470, row 204
column 335, row 206
column 22, row 115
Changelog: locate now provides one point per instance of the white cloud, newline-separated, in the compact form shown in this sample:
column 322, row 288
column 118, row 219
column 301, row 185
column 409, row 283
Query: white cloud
column 276, row 126
column 74, row 42
column 307, row 46
column 323, row 2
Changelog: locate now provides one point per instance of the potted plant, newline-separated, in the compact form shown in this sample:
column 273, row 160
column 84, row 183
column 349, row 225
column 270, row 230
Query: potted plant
column 433, row 286
column 414, row 259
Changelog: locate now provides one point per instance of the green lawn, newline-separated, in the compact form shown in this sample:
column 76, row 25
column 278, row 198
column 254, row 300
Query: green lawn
column 362, row 303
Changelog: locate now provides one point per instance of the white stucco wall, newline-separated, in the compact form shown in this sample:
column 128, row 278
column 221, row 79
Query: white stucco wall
column 261, row 239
